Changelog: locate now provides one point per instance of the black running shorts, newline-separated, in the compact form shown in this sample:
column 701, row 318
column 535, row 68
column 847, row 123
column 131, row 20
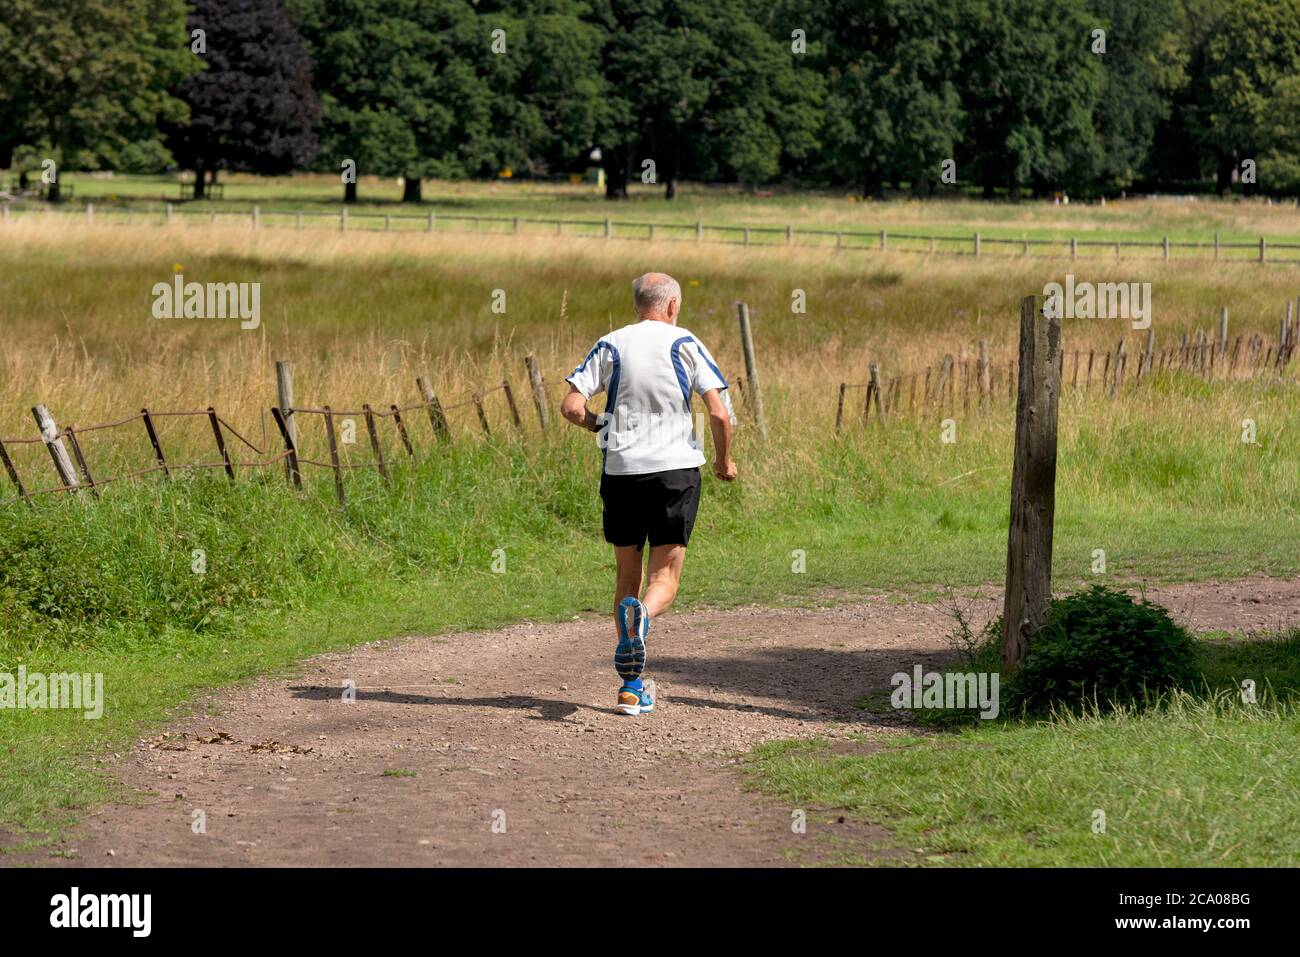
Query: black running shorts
column 659, row 506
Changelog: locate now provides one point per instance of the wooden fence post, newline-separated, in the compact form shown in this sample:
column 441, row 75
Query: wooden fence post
column 977, row 245
column 510, row 401
column 50, row 436
column 334, row 454
column 839, row 408
column 153, row 440
column 751, row 368
column 945, row 371
column 284, row 393
column 1033, row 483
column 436, row 416
column 290, row 446
column 401, row 430
column 81, row 460
column 873, row 390
column 539, row 387
column 13, row 472
column 482, row 415
column 221, row 442
column 374, row 441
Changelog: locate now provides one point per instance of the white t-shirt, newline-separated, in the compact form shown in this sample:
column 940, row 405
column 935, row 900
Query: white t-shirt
column 649, row 370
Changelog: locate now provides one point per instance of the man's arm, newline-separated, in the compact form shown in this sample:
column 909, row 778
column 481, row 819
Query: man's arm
column 720, row 424
column 574, row 408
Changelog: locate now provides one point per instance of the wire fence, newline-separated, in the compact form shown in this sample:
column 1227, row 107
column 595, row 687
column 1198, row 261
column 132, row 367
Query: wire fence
column 975, row 244
column 979, row 381
column 73, row 468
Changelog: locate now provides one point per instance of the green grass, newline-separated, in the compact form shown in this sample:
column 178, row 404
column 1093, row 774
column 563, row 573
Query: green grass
column 1204, row 780
column 108, row 587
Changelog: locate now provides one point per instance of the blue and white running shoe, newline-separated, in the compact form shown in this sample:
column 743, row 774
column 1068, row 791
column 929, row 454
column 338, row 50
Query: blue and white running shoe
column 633, row 629
column 634, row 701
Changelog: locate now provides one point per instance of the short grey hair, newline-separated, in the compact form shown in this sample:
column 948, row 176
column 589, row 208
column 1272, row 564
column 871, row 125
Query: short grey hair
column 651, row 292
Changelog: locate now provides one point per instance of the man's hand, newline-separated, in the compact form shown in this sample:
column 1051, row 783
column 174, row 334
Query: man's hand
column 720, row 424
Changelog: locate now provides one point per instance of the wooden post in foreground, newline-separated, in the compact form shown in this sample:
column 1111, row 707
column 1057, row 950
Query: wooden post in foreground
column 751, row 370
column 50, row 436
column 539, row 387
column 1033, row 483
column 839, row 408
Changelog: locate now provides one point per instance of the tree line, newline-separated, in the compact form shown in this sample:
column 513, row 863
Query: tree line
column 1005, row 96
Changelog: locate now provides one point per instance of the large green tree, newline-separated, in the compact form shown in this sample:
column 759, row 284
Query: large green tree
column 1144, row 60
column 420, row 88
column 399, row 87
column 1030, row 85
column 87, row 82
column 893, row 111
column 1250, row 64
column 701, row 86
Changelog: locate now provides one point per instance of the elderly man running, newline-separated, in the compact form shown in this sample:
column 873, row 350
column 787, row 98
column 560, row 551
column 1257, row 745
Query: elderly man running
column 650, row 478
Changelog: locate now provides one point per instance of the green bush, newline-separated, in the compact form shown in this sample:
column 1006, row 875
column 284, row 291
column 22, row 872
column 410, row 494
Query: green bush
column 1100, row 646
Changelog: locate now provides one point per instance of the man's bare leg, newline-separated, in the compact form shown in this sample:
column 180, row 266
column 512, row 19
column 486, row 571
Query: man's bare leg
column 665, row 572
column 627, row 572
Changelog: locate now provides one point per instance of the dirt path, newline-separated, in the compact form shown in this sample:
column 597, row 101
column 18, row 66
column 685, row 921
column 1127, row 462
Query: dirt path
column 450, row 736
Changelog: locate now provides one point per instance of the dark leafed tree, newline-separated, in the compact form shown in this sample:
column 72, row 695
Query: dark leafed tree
column 253, row 107
column 86, row 82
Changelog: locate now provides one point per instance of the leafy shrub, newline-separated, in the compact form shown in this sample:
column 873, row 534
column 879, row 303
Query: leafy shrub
column 1101, row 645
